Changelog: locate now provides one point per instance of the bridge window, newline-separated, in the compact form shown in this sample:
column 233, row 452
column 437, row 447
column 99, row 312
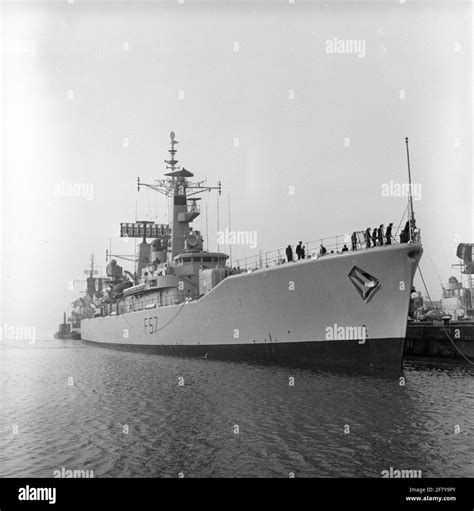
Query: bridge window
column 186, row 259
column 207, row 259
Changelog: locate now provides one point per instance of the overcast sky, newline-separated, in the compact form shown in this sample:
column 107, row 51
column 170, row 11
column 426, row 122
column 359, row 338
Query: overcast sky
column 91, row 91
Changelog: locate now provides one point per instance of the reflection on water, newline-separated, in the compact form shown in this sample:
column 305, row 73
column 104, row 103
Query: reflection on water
column 66, row 404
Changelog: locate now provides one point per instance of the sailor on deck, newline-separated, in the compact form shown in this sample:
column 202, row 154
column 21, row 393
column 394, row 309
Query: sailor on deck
column 367, row 237
column 374, row 236
column 381, row 235
column 354, row 240
column 299, row 250
column 388, row 234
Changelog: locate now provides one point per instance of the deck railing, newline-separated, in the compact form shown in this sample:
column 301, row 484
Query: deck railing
column 333, row 245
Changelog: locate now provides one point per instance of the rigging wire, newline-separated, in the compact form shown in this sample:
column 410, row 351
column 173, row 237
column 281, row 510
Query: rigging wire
column 401, row 220
column 436, row 271
column 149, row 206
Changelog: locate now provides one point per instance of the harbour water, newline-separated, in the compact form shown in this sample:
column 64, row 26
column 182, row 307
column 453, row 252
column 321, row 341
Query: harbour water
column 120, row 414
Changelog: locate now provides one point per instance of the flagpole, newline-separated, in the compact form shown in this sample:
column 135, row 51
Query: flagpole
column 410, row 197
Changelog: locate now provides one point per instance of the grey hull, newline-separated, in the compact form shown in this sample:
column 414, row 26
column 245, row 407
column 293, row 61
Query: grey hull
column 291, row 312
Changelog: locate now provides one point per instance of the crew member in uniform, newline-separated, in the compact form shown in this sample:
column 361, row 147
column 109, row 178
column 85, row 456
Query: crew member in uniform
column 381, row 235
column 388, row 234
column 299, row 249
column 367, row 237
column 374, row 236
column 354, row 240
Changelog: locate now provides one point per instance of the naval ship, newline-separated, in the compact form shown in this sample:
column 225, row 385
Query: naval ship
column 83, row 307
column 335, row 308
column 68, row 330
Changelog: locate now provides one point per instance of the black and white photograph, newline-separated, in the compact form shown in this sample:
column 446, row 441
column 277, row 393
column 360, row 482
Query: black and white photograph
column 237, row 242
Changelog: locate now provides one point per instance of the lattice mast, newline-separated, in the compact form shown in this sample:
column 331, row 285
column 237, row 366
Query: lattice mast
column 180, row 188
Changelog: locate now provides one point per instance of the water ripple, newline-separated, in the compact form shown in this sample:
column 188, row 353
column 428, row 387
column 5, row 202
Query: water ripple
column 126, row 415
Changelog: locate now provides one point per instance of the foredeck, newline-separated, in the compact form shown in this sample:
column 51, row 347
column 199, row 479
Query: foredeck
column 333, row 245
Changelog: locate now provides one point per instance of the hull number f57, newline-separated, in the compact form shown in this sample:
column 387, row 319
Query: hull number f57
column 150, row 325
